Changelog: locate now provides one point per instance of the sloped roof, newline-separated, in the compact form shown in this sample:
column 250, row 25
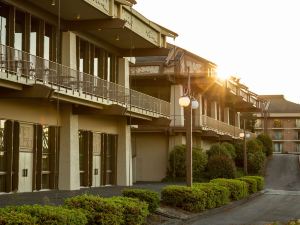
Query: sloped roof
column 278, row 104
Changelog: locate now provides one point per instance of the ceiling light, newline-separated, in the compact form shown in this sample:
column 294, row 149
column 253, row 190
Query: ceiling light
column 53, row 3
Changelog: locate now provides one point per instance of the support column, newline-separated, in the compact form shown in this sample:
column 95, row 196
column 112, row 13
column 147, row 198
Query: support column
column 124, row 155
column 198, row 112
column 177, row 115
column 238, row 119
column 226, row 115
column 69, row 50
column 123, row 73
column 214, row 110
column 69, row 177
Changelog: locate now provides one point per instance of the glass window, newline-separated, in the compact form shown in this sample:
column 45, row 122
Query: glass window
column 34, row 36
column 278, row 147
column 298, row 123
column 258, row 123
column 3, row 23
column 45, row 139
column 277, row 135
column 277, row 123
column 19, row 30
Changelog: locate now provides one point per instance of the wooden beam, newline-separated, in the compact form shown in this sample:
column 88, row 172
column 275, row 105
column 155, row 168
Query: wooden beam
column 99, row 24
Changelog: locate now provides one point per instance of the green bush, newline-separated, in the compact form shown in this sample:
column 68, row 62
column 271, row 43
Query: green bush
column 188, row 198
column 238, row 189
column 50, row 214
column 260, row 181
column 216, row 195
column 239, row 150
column 217, row 149
column 252, row 184
column 150, row 197
column 254, row 146
column 220, row 166
column 15, row 218
column 256, row 162
column 177, row 162
column 267, row 143
column 230, row 148
column 135, row 211
column 98, row 210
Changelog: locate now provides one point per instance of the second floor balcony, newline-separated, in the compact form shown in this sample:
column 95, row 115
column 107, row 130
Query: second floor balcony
column 23, row 68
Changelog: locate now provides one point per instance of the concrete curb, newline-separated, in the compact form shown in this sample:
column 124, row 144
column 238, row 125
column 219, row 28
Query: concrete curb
column 195, row 217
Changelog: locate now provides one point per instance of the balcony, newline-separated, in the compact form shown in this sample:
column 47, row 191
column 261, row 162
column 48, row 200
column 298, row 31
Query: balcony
column 20, row 67
column 220, row 127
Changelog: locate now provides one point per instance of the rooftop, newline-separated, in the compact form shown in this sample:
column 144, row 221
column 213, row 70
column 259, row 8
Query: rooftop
column 278, row 104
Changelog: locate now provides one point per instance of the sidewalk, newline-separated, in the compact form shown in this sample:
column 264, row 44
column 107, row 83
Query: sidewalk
column 56, row 197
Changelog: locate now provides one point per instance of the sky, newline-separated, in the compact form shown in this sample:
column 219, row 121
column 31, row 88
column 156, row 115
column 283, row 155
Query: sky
column 255, row 40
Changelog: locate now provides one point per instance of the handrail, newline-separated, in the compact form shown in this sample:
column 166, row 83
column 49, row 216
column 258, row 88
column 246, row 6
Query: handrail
column 59, row 76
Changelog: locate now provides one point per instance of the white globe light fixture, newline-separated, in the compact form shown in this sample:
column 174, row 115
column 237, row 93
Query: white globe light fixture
column 184, row 101
column 195, row 104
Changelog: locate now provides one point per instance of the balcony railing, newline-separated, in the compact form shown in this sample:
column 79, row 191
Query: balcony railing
column 58, row 76
column 220, row 127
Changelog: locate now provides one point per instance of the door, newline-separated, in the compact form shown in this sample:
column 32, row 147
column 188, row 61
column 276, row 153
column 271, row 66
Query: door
column 26, row 158
column 109, row 158
column 96, row 160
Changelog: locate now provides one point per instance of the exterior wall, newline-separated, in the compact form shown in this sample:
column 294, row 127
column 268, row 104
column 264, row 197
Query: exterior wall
column 206, row 144
column 151, row 156
column 101, row 124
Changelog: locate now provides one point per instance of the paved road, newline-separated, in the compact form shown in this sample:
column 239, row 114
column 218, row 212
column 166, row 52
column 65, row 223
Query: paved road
column 280, row 202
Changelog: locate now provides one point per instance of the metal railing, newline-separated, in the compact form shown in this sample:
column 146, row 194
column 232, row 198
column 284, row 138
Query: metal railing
column 58, row 76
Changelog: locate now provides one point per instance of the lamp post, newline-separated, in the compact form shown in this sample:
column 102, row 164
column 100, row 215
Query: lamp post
column 189, row 103
column 244, row 136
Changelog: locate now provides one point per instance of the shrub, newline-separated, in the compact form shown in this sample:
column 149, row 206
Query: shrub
column 14, row 218
column 267, row 143
column 177, row 162
column 254, row 146
column 98, row 210
column 239, row 150
column 217, row 149
column 221, row 166
column 230, row 148
column 135, row 211
column 188, row 198
column 216, row 195
column 51, row 214
column 238, row 189
column 150, row 197
column 256, row 162
column 260, row 181
column 252, row 184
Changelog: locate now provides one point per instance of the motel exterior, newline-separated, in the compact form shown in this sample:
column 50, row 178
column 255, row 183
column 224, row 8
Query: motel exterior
column 217, row 119
column 66, row 105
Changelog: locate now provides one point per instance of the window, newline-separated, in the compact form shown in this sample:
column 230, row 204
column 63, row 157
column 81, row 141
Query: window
column 298, row 123
column 277, row 147
column 277, row 123
column 277, row 135
column 3, row 23
column 258, row 123
column 19, row 31
column 297, row 147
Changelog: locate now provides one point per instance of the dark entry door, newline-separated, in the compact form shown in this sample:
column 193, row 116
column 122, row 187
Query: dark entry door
column 109, row 160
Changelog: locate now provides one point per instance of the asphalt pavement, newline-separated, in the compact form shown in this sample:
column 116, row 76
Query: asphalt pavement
column 280, row 201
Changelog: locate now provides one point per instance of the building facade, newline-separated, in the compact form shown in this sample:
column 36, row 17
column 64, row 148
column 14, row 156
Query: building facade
column 281, row 122
column 65, row 98
column 216, row 119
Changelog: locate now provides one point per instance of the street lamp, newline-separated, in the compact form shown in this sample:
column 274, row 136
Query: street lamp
column 244, row 135
column 189, row 103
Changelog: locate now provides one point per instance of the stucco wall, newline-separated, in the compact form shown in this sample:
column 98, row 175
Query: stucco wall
column 151, row 156
column 101, row 124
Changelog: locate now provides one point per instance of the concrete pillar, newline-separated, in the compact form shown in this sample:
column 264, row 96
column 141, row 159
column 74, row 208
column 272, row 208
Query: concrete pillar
column 69, row 50
column 124, row 154
column 177, row 115
column 198, row 112
column 179, row 139
column 123, row 73
column 214, row 110
column 238, row 119
column 226, row 115
column 69, row 174
column 205, row 106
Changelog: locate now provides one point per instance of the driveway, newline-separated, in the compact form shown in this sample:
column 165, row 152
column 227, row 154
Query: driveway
column 280, row 202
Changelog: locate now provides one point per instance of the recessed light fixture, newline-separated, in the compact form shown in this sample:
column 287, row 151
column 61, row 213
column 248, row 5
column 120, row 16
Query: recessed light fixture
column 53, row 3
column 78, row 16
column 117, row 37
column 99, row 29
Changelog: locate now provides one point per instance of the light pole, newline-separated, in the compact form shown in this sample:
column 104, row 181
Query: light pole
column 189, row 103
column 244, row 135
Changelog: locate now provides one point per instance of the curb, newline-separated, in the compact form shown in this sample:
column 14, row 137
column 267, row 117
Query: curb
column 210, row 212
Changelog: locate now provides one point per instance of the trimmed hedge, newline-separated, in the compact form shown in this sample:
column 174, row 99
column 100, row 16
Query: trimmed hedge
column 252, row 184
column 188, row 198
column 97, row 209
column 221, row 166
column 14, row 218
column 260, row 181
column 238, row 189
column 150, row 197
column 108, row 211
column 48, row 214
column 216, row 195
column 135, row 211
column 177, row 162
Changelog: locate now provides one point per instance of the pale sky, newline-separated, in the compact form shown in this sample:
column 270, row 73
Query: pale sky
column 256, row 40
